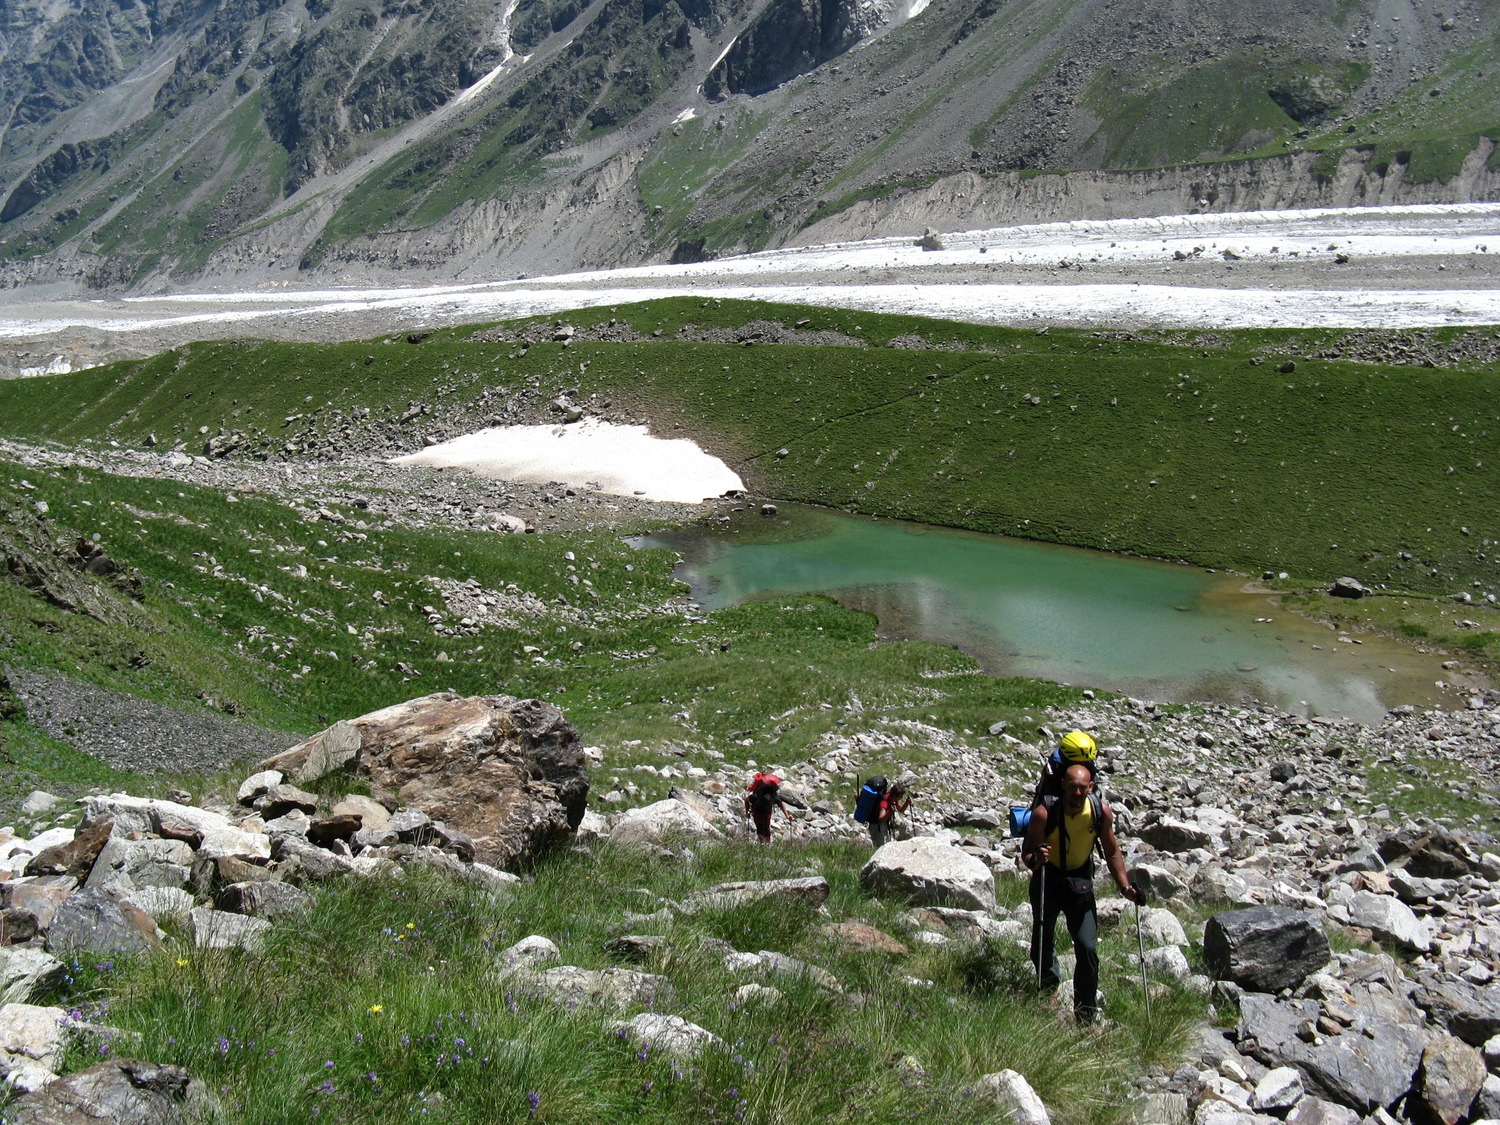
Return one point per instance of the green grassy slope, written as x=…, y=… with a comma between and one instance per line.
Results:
x=1199, y=449
x=360, y=1026
x=292, y=623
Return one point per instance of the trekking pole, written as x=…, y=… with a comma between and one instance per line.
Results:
x=1140, y=939
x=1036, y=926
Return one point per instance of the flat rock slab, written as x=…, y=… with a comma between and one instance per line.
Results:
x=808, y=893
x=671, y=1035
x=652, y=824
x=1265, y=948
x=146, y=815
x=120, y=1091
x=1369, y=1065
x=927, y=872
x=31, y=1042
x=616, y=988
x=861, y=937
x=1472, y=1014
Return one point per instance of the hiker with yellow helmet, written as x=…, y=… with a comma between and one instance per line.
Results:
x=1064, y=830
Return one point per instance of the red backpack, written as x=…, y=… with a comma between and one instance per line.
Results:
x=763, y=790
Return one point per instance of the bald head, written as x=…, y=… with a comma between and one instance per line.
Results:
x=1077, y=784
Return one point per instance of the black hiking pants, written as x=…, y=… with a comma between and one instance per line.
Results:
x=1054, y=893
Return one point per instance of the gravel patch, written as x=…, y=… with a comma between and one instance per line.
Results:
x=136, y=735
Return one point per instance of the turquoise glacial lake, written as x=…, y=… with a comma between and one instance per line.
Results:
x=1149, y=629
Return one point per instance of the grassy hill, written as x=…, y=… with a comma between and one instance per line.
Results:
x=1197, y=447
x=1231, y=449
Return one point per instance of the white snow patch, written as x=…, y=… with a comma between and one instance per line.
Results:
x=724, y=54
x=685, y=116
x=621, y=460
x=917, y=8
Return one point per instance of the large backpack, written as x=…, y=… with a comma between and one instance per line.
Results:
x=764, y=790
x=869, y=798
x=1048, y=788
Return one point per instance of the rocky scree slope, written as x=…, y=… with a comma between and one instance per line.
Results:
x=1233, y=808
x=148, y=143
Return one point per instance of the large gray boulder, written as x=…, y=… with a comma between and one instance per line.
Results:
x=94, y=922
x=1390, y=919
x=1369, y=1065
x=1472, y=1014
x=509, y=773
x=1265, y=948
x=120, y=1091
x=124, y=865
x=927, y=872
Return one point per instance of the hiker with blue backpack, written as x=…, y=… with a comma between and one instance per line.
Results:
x=878, y=806
x=1062, y=833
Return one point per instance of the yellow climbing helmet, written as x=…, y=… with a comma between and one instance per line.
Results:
x=1077, y=746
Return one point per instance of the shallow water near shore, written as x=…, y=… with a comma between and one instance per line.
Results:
x=1152, y=630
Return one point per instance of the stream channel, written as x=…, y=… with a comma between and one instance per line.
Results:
x=1151, y=630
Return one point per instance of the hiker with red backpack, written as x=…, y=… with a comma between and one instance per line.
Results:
x=1062, y=835
x=762, y=796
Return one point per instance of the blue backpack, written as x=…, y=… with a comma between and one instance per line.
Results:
x=1048, y=787
x=869, y=798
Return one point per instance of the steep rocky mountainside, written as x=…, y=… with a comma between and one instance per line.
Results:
x=145, y=143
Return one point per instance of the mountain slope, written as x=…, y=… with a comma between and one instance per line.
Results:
x=148, y=144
